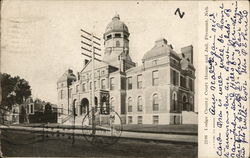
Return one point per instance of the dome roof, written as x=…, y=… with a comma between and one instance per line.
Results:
x=67, y=76
x=116, y=25
x=161, y=48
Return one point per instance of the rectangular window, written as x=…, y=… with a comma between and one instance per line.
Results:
x=139, y=81
x=155, y=119
x=103, y=84
x=155, y=78
x=130, y=119
x=84, y=87
x=130, y=83
x=174, y=77
x=90, y=85
x=112, y=83
x=139, y=120
x=139, y=104
x=183, y=81
x=191, y=84
x=77, y=88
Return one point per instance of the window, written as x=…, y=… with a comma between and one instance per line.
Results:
x=62, y=94
x=130, y=104
x=155, y=119
x=174, y=101
x=112, y=84
x=155, y=78
x=130, y=83
x=117, y=43
x=112, y=104
x=103, y=84
x=139, y=104
x=31, y=108
x=77, y=88
x=191, y=84
x=70, y=92
x=84, y=87
x=155, y=103
x=183, y=81
x=117, y=35
x=174, y=77
x=184, y=102
x=125, y=36
x=139, y=81
x=130, y=119
x=154, y=62
x=109, y=37
x=139, y=120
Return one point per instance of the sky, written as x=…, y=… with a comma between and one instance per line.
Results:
x=40, y=40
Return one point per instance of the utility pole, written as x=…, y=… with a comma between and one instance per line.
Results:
x=91, y=47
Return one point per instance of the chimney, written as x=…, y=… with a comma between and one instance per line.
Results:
x=188, y=52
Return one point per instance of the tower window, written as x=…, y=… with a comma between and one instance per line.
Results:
x=109, y=37
x=117, y=35
x=117, y=43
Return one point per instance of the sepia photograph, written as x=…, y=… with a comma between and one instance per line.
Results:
x=99, y=79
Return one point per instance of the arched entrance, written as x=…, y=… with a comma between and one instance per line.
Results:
x=84, y=108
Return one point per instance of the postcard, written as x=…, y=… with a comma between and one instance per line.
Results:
x=124, y=79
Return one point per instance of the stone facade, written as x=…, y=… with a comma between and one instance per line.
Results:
x=157, y=92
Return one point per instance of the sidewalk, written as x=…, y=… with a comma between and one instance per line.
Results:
x=163, y=137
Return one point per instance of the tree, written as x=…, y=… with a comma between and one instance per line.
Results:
x=14, y=90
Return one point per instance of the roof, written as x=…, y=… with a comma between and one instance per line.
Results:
x=161, y=48
x=68, y=75
x=116, y=25
x=98, y=64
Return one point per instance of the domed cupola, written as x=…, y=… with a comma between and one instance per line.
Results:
x=116, y=26
x=116, y=41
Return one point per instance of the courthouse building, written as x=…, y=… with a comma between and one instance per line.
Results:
x=160, y=91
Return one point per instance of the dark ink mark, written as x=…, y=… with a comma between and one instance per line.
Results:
x=179, y=12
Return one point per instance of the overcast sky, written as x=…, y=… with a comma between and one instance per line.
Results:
x=41, y=39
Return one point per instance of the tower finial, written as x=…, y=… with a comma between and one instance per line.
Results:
x=116, y=17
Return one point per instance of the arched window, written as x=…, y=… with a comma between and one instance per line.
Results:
x=139, y=103
x=117, y=43
x=155, y=103
x=184, y=102
x=174, y=101
x=130, y=104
